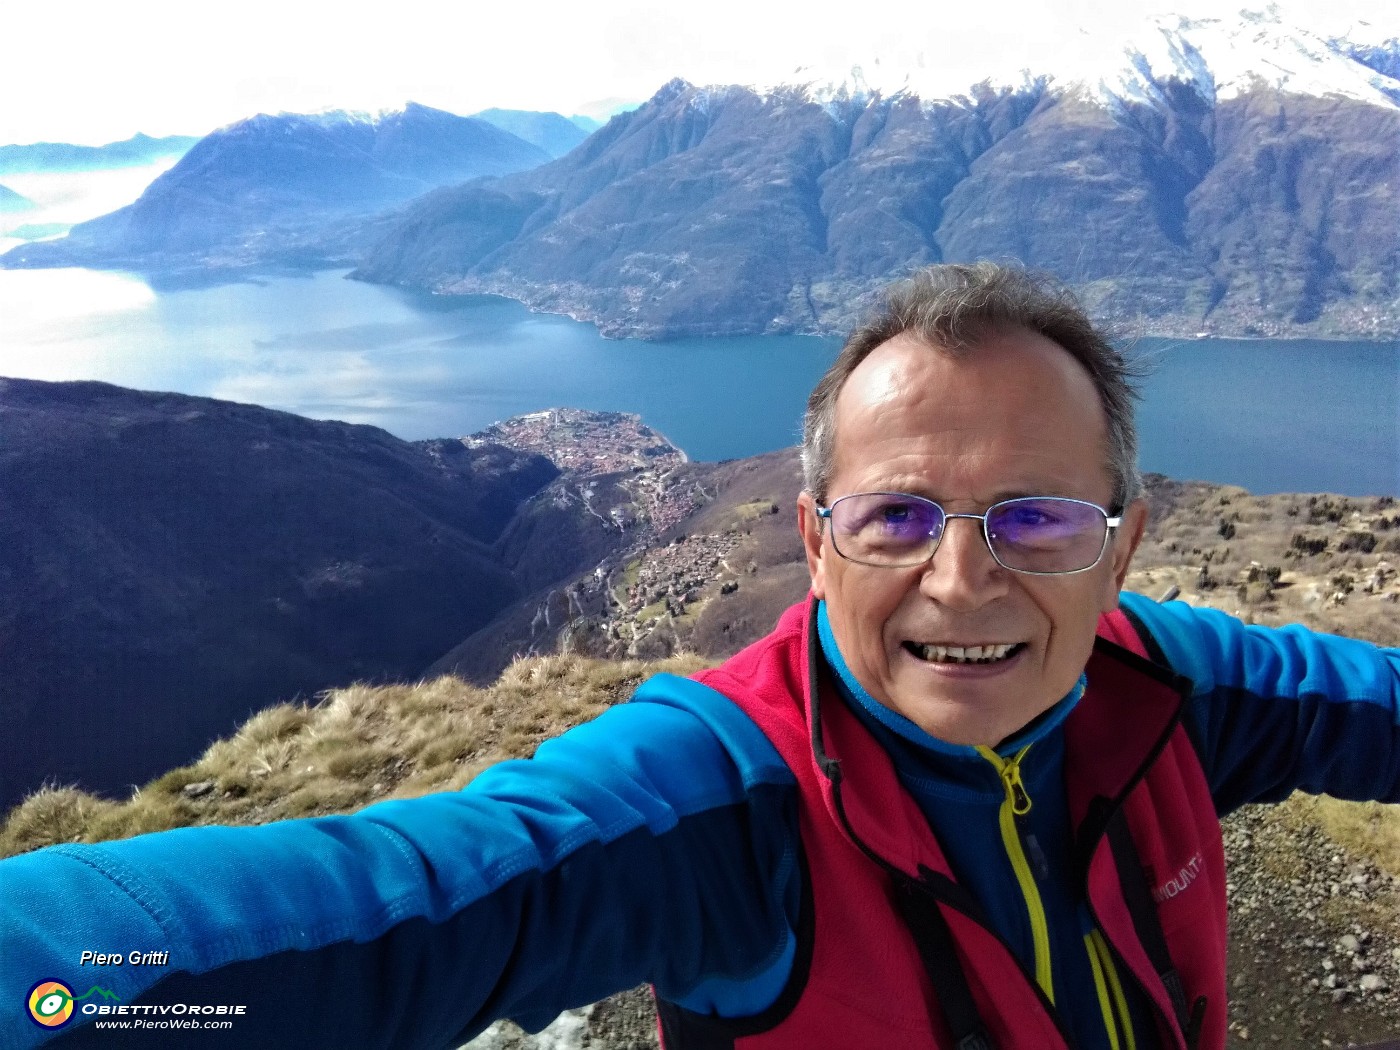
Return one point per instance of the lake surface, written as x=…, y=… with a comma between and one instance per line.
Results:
x=1270, y=416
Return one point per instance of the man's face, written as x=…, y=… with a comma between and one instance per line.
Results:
x=1015, y=416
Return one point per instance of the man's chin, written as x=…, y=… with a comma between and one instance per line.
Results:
x=967, y=704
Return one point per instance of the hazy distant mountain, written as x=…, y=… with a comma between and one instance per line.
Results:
x=59, y=156
x=601, y=110
x=1233, y=175
x=551, y=132
x=278, y=188
x=12, y=201
x=171, y=563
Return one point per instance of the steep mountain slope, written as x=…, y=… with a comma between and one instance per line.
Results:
x=275, y=188
x=172, y=563
x=1235, y=176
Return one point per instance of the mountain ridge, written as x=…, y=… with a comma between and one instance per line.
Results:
x=63, y=156
x=281, y=188
x=1229, y=177
x=720, y=211
x=197, y=559
x=554, y=133
x=1217, y=57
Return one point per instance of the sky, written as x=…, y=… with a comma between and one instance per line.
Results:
x=95, y=71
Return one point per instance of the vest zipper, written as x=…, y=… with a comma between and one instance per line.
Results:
x=1014, y=807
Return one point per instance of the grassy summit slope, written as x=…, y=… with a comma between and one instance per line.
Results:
x=354, y=746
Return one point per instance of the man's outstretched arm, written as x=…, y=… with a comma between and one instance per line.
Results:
x=654, y=844
x=1281, y=709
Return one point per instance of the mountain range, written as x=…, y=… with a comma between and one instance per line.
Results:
x=62, y=156
x=1227, y=176
x=172, y=563
x=1231, y=176
x=281, y=188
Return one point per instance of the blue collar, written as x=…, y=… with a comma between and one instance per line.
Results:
x=856, y=695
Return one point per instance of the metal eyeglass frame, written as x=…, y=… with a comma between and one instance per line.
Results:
x=1111, y=522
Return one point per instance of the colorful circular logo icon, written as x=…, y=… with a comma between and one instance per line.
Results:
x=51, y=1004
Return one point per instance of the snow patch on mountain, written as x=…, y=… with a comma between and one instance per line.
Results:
x=1219, y=58
x=1237, y=55
x=339, y=118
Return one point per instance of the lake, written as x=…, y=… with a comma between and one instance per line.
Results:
x=1272, y=416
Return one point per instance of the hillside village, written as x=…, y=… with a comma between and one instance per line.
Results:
x=582, y=442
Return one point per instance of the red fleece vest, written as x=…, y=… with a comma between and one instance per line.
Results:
x=860, y=980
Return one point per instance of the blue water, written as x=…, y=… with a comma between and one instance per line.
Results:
x=1270, y=416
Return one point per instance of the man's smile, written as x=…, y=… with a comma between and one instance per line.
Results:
x=963, y=654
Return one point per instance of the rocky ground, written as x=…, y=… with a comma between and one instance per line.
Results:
x=1314, y=938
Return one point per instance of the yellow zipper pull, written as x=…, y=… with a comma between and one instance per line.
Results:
x=1015, y=790
x=1009, y=769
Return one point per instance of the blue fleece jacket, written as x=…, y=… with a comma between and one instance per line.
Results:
x=657, y=843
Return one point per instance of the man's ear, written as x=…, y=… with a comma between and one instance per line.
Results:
x=810, y=527
x=1123, y=546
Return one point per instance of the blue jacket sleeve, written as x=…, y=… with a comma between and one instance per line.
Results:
x=1279, y=709
x=657, y=843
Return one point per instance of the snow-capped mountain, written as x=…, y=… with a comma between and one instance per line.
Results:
x=1234, y=175
x=1230, y=175
x=1218, y=58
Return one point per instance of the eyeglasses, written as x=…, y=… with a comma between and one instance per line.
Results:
x=1039, y=535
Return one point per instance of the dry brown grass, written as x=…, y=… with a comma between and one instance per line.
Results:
x=1367, y=829
x=355, y=746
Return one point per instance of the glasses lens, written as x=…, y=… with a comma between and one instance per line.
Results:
x=885, y=528
x=1046, y=534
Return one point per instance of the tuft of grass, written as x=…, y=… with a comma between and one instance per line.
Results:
x=50, y=816
x=355, y=746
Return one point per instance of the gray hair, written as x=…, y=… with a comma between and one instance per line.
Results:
x=952, y=306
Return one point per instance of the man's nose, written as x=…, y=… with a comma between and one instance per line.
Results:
x=962, y=574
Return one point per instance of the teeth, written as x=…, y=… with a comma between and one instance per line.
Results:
x=962, y=654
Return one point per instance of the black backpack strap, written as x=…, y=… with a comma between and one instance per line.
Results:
x=925, y=921
x=1138, y=896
